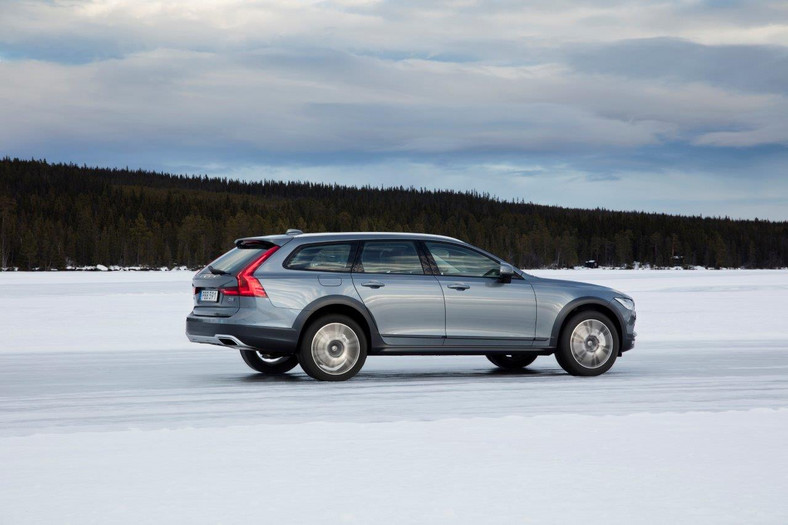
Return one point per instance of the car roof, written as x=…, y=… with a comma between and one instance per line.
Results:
x=344, y=236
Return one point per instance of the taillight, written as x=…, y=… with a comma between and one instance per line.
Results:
x=248, y=285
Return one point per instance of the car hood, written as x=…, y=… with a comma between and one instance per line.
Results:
x=594, y=289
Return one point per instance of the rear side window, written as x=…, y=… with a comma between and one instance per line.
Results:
x=237, y=259
x=321, y=258
x=395, y=257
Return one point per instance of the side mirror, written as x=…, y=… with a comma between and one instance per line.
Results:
x=506, y=272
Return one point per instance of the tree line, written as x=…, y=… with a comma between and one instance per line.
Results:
x=60, y=215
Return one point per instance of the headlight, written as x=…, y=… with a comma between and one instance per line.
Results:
x=627, y=303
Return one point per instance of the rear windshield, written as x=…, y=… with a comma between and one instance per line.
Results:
x=236, y=259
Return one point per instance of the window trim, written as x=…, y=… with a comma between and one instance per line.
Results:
x=490, y=256
x=348, y=264
x=426, y=269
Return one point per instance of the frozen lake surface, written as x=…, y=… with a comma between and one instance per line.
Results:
x=204, y=387
x=108, y=414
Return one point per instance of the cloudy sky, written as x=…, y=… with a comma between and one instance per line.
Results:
x=660, y=106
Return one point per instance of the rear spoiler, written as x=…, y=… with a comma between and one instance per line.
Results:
x=263, y=242
x=254, y=243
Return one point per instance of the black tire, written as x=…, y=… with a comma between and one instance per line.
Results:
x=590, y=364
x=322, y=364
x=511, y=362
x=272, y=366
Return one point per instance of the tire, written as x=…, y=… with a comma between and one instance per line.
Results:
x=333, y=348
x=589, y=344
x=271, y=365
x=511, y=362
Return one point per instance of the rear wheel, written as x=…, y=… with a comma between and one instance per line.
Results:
x=269, y=364
x=333, y=348
x=589, y=344
x=511, y=362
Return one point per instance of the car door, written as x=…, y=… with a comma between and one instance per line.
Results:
x=404, y=300
x=480, y=309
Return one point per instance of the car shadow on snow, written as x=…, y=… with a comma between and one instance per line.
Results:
x=284, y=378
x=407, y=375
x=442, y=375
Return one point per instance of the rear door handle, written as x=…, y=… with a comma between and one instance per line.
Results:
x=458, y=286
x=373, y=284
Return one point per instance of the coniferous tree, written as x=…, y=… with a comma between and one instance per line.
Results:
x=53, y=215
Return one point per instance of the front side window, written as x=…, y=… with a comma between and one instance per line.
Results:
x=322, y=258
x=394, y=257
x=460, y=261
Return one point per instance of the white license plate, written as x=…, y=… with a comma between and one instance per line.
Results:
x=210, y=296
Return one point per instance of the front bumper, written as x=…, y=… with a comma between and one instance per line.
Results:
x=220, y=331
x=627, y=320
x=629, y=341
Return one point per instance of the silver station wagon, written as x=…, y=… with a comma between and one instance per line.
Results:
x=326, y=301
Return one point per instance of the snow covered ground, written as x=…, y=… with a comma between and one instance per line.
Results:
x=108, y=415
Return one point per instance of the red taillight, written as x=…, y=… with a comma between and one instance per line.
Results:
x=248, y=285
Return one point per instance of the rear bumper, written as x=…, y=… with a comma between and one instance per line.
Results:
x=222, y=332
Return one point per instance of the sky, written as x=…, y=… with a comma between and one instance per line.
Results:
x=676, y=107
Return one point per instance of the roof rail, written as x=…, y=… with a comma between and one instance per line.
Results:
x=293, y=231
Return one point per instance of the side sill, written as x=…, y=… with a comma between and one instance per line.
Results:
x=460, y=350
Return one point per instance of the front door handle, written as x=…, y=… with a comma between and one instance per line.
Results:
x=458, y=286
x=373, y=284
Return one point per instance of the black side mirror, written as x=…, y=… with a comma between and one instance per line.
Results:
x=506, y=273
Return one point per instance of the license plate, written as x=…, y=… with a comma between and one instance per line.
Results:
x=210, y=296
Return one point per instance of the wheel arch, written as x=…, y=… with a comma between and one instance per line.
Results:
x=339, y=305
x=582, y=305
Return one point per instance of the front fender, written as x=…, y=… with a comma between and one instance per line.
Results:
x=580, y=302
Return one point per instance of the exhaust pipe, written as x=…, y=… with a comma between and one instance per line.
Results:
x=231, y=340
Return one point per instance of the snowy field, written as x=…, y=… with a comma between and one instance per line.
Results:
x=109, y=415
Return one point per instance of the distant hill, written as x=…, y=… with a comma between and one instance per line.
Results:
x=54, y=215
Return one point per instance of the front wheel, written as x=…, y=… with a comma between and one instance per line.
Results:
x=589, y=344
x=333, y=348
x=511, y=362
x=269, y=364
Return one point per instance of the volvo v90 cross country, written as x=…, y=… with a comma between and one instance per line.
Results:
x=326, y=301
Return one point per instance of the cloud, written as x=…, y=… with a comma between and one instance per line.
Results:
x=608, y=92
x=747, y=68
x=283, y=101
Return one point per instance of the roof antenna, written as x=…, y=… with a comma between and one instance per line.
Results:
x=293, y=231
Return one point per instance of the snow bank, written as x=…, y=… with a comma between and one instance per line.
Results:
x=726, y=467
x=94, y=311
x=702, y=305
x=222, y=445
x=123, y=311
